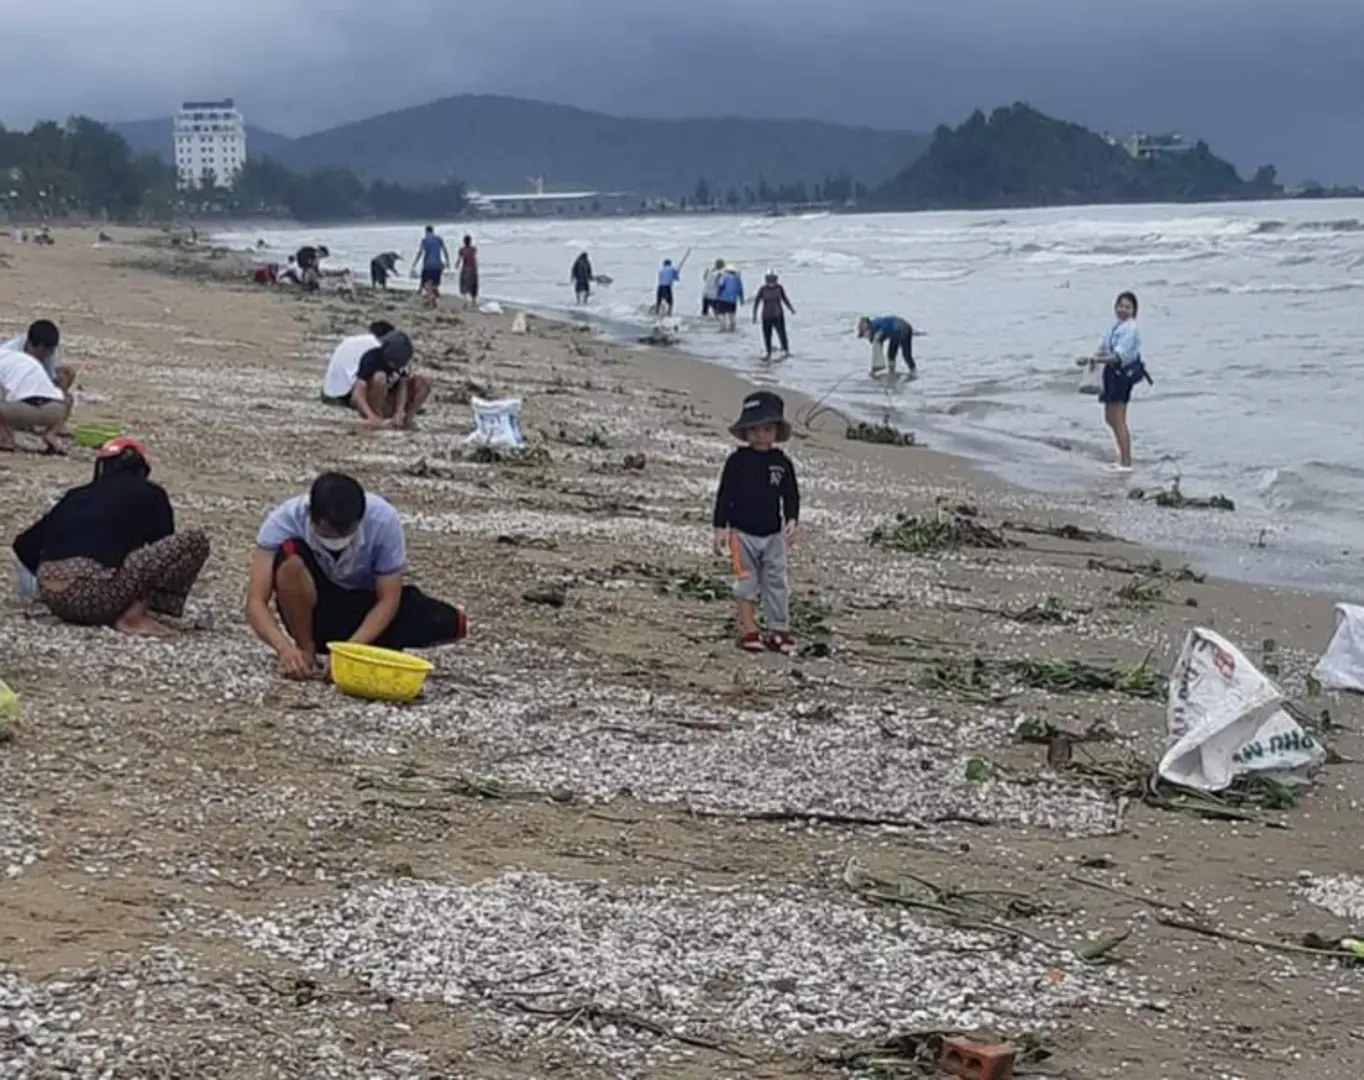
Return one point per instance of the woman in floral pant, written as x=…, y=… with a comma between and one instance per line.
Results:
x=108, y=554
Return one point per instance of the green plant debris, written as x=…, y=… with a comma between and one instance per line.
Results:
x=1153, y=569
x=1061, y=532
x=1131, y=778
x=980, y=677
x=977, y=770
x=1141, y=592
x=1174, y=499
x=1049, y=611
x=592, y=439
x=945, y=530
x=526, y=457
x=809, y=617
x=883, y=434
x=1269, y=658
x=694, y=584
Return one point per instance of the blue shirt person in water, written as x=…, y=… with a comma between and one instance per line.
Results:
x=668, y=276
x=434, y=257
x=1120, y=354
x=892, y=334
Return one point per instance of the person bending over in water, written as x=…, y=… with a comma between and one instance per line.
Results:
x=581, y=273
x=467, y=261
x=891, y=334
x=380, y=267
x=108, y=554
x=371, y=374
x=1120, y=354
x=333, y=561
x=771, y=297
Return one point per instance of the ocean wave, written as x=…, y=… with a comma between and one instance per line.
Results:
x=1276, y=288
x=1314, y=486
x=1337, y=225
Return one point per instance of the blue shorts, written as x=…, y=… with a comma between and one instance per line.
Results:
x=431, y=275
x=1118, y=383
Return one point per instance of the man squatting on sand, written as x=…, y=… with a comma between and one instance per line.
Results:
x=756, y=510
x=371, y=373
x=333, y=561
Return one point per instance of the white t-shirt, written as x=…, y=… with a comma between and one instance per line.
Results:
x=17, y=345
x=22, y=377
x=345, y=363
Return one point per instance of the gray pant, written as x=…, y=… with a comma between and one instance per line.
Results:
x=760, y=573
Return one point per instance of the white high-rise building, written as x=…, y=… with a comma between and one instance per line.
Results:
x=210, y=136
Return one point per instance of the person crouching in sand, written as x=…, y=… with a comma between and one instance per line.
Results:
x=108, y=554
x=756, y=510
x=40, y=341
x=333, y=560
x=30, y=401
x=371, y=373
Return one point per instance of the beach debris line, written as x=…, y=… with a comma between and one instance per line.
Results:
x=988, y=677
x=947, y=528
x=1065, y=531
x=1048, y=611
x=1154, y=568
x=982, y=910
x=1173, y=498
x=918, y=1054
x=1141, y=592
x=883, y=434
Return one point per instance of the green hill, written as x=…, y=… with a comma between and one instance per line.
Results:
x=496, y=144
x=1018, y=156
x=156, y=137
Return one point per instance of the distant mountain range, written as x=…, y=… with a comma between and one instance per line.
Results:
x=497, y=144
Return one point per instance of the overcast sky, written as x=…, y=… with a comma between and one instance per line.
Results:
x=1263, y=80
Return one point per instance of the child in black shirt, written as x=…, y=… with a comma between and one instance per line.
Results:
x=756, y=510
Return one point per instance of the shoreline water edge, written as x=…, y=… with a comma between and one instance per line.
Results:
x=1292, y=525
x=604, y=842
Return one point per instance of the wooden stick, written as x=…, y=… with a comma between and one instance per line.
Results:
x=1246, y=939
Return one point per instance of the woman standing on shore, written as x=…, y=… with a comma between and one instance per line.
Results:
x=1120, y=354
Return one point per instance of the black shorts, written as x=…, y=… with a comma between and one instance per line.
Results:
x=706, y=304
x=378, y=274
x=421, y=620
x=724, y=307
x=468, y=285
x=1118, y=383
x=664, y=295
x=431, y=275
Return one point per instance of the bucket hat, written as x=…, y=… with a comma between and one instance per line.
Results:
x=762, y=407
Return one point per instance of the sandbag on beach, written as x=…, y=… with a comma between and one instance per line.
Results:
x=1226, y=719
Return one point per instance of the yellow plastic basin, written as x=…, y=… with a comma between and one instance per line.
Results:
x=366, y=671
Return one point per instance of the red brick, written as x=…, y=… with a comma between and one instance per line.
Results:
x=971, y=1060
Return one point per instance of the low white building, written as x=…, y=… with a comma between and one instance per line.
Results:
x=210, y=138
x=1144, y=147
x=556, y=204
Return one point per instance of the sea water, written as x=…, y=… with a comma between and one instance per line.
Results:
x=1252, y=322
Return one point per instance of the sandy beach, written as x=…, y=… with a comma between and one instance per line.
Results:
x=605, y=843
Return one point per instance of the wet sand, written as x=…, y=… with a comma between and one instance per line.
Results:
x=601, y=816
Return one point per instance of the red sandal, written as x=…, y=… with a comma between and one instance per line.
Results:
x=750, y=642
x=782, y=643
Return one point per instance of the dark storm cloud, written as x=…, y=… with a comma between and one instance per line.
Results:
x=1267, y=81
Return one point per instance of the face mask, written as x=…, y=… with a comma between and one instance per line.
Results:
x=334, y=544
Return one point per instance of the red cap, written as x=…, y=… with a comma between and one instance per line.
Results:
x=115, y=447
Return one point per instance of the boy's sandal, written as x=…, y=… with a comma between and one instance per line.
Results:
x=782, y=643
x=750, y=643
x=461, y=624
